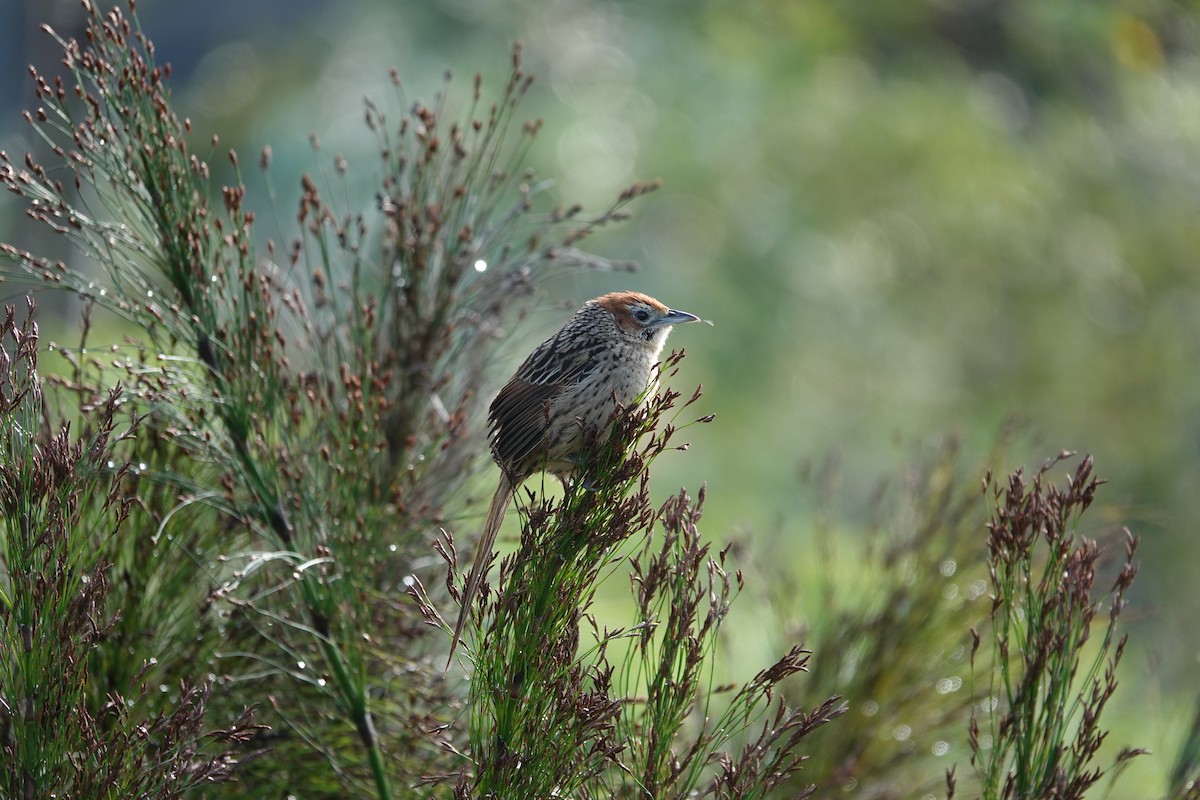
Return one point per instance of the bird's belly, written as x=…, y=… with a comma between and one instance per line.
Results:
x=590, y=406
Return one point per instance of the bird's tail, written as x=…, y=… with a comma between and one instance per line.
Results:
x=483, y=557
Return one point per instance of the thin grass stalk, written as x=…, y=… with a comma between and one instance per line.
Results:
x=1185, y=772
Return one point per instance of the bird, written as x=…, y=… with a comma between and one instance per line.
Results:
x=604, y=355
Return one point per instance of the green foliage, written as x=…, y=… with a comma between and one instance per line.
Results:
x=307, y=427
x=1185, y=775
x=898, y=646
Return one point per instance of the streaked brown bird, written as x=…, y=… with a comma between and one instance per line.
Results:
x=605, y=354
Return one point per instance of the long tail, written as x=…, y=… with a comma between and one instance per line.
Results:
x=483, y=556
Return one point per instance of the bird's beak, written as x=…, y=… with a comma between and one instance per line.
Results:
x=673, y=317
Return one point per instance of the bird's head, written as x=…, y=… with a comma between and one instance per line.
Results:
x=641, y=318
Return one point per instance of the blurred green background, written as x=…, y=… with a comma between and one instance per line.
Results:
x=904, y=219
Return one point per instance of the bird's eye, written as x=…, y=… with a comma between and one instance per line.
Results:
x=641, y=315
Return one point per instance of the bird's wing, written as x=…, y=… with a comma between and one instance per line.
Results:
x=518, y=414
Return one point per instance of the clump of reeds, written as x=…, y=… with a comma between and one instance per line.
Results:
x=1037, y=729
x=561, y=704
x=62, y=500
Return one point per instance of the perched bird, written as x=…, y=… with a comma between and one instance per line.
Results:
x=606, y=352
